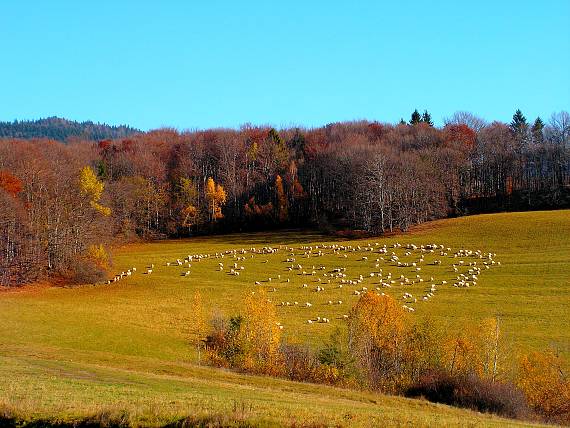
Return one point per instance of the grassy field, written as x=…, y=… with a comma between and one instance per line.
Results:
x=71, y=352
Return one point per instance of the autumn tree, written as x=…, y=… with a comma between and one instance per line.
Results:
x=282, y=209
x=10, y=184
x=377, y=326
x=92, y=188
x=491, y=348
x=544, y=380
x=188, y=197
x=466, y=118
x=216, y=198
x=261, y=334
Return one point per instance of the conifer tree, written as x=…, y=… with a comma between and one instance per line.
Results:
x=426, y=118
x=416, y=117
x=536, y=130
x=519, y=123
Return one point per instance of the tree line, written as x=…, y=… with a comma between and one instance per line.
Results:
x=63, y=130
x=61, y=204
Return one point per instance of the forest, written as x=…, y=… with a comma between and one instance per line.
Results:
x=63, y=130
x=63, y=205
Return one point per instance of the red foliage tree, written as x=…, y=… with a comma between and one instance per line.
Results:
x=10, y=184
x=460, y=133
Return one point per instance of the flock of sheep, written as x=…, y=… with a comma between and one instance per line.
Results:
x=382, y=269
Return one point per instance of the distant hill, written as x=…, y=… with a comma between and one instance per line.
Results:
x=63, y=130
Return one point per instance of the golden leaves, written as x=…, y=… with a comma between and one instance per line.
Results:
x=216, y=197
x=92, y=188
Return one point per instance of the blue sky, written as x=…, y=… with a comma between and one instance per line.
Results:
x=201, y=64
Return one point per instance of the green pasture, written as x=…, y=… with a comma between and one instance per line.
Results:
x=125, y=345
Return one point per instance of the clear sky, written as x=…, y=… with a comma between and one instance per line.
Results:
x=200, y=64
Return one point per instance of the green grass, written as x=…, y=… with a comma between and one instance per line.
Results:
x=72, y=352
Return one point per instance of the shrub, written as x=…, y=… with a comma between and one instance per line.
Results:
x=83, y=271
x=544, y=380
x=300, y=362
x=471, y=392
x=224, y=345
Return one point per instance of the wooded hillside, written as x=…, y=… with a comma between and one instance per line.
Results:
x=61, y=204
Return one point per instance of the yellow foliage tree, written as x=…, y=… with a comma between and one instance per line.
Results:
x=98, y=254
x=282, y=210
x=477, y=349
x=216, y=198
x=92, y=188
x=188, y=194
x=261, y=334
x=461, y=355
x=377, y=327
x=490, y=347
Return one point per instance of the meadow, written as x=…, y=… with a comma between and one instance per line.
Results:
x=70, y=352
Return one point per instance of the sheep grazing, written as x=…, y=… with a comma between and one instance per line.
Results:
x=148, y=271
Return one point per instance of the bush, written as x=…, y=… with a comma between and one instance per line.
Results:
x=544, y=380
x=224, y=346
x=300, y=362
x=471, y=392
x=82, y=271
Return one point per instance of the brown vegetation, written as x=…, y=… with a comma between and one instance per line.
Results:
x=57, y=200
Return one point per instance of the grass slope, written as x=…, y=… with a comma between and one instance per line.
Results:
x=72, y=352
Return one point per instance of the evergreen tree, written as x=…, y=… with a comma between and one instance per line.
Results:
x=416, y=117
x=426, y=118
x=402, y=121
x=536, y=129
x=519, y=123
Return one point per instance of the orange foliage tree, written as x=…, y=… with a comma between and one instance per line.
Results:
x=10, y=184
x=545, y=382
